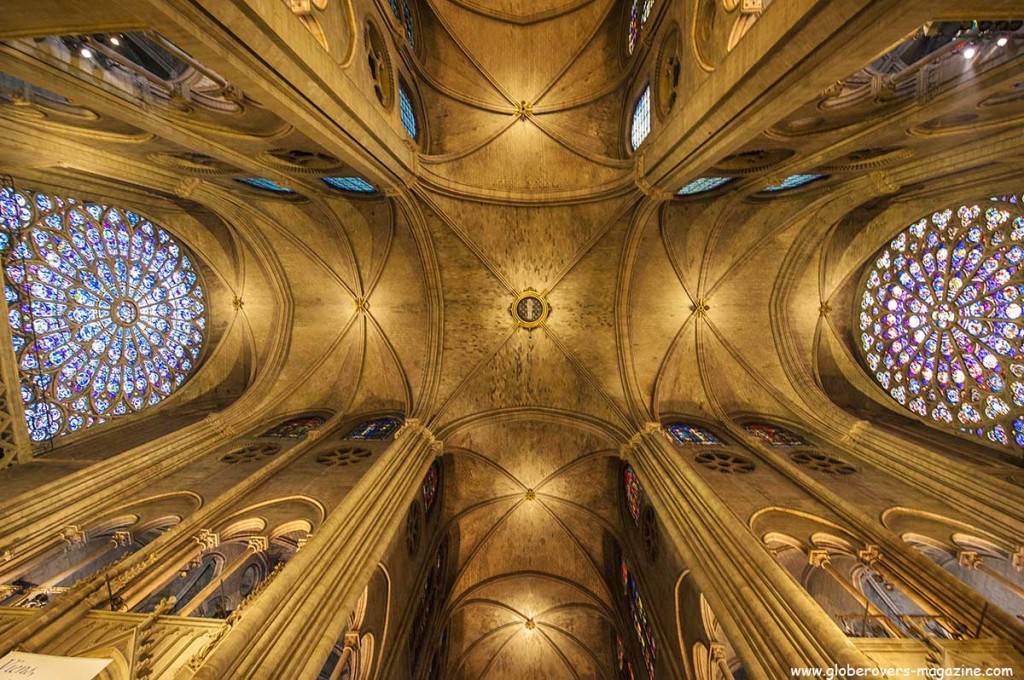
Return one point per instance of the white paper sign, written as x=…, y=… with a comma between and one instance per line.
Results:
x=24, y=666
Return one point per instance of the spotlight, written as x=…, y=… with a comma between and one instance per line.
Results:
x=1002, y=41
x=970, y=52
x=115, y=41
x=86, y=53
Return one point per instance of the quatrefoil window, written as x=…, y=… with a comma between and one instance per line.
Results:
x=379, y=60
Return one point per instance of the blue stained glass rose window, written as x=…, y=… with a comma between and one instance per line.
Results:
x=939, y=319
x=106, y=310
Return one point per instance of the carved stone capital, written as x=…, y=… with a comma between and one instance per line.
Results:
x=818, y=558
x=352, y=640
x=121, y=539
x=257, y=543
x=414, y=425
x=716, y=650
x=6, y=555
x=968, y=559
x=870, y=555
x=73, y=537
x=207, y=539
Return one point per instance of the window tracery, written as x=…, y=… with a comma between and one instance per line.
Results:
x=376, y=429
x=639, y=12
x=641, y=126
x=773, y=435
x=408, y=114
x=343, y=456
x=940, y=320
x=430, y=487
x=821, y=462
x=631, y=485
x=410, y=29
x=265, y=184
x=725, y=463
x=295, y=428
x=107, y=313
x=703, y=185
x=792, y=182
x=356, y=184
x=250, y=453
x=638, y=614
x=685, y=433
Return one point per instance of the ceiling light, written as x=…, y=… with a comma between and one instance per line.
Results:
x=115, y=41
x=1002, y=41
x=86, y=53
x=970, y=52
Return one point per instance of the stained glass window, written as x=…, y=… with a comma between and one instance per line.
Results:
x=940, y=319
x=773, y=435
x=378, y=428
x=430, y=487
x=295, y=428
x=641, y=624
x=792, y=182
x=107, y=313
x=266, y=184
x=410, y=32
x=641, y=119
x=394, y=8
x=407, y=112
x=638, y=15
x=357, y=184
x=703, y=184
x=632, y=487
x=685, y=433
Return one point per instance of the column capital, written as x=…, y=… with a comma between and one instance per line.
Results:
x=207, y=539
x=968, y=559
x=257, y=544
x=818, y=558
x=121, y=539
x=870, y=555
x=414, y=425
x=1016, y=559
x=647, y=430
x=73, y=537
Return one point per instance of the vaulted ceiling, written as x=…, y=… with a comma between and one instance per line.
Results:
x=714, y=306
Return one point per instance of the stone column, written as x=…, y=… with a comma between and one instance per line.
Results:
x=290, y=629
x=772, y=622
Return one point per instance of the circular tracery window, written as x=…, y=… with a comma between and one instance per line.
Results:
x=820, y=462
x=343, y=456
x=940, y=319
x=249, y=453
x=726, y=463
x=107, y=313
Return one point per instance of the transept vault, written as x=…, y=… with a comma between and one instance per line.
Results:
x=512, y=339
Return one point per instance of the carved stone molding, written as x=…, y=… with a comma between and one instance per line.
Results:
x=257, y=543
x=121, y=539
